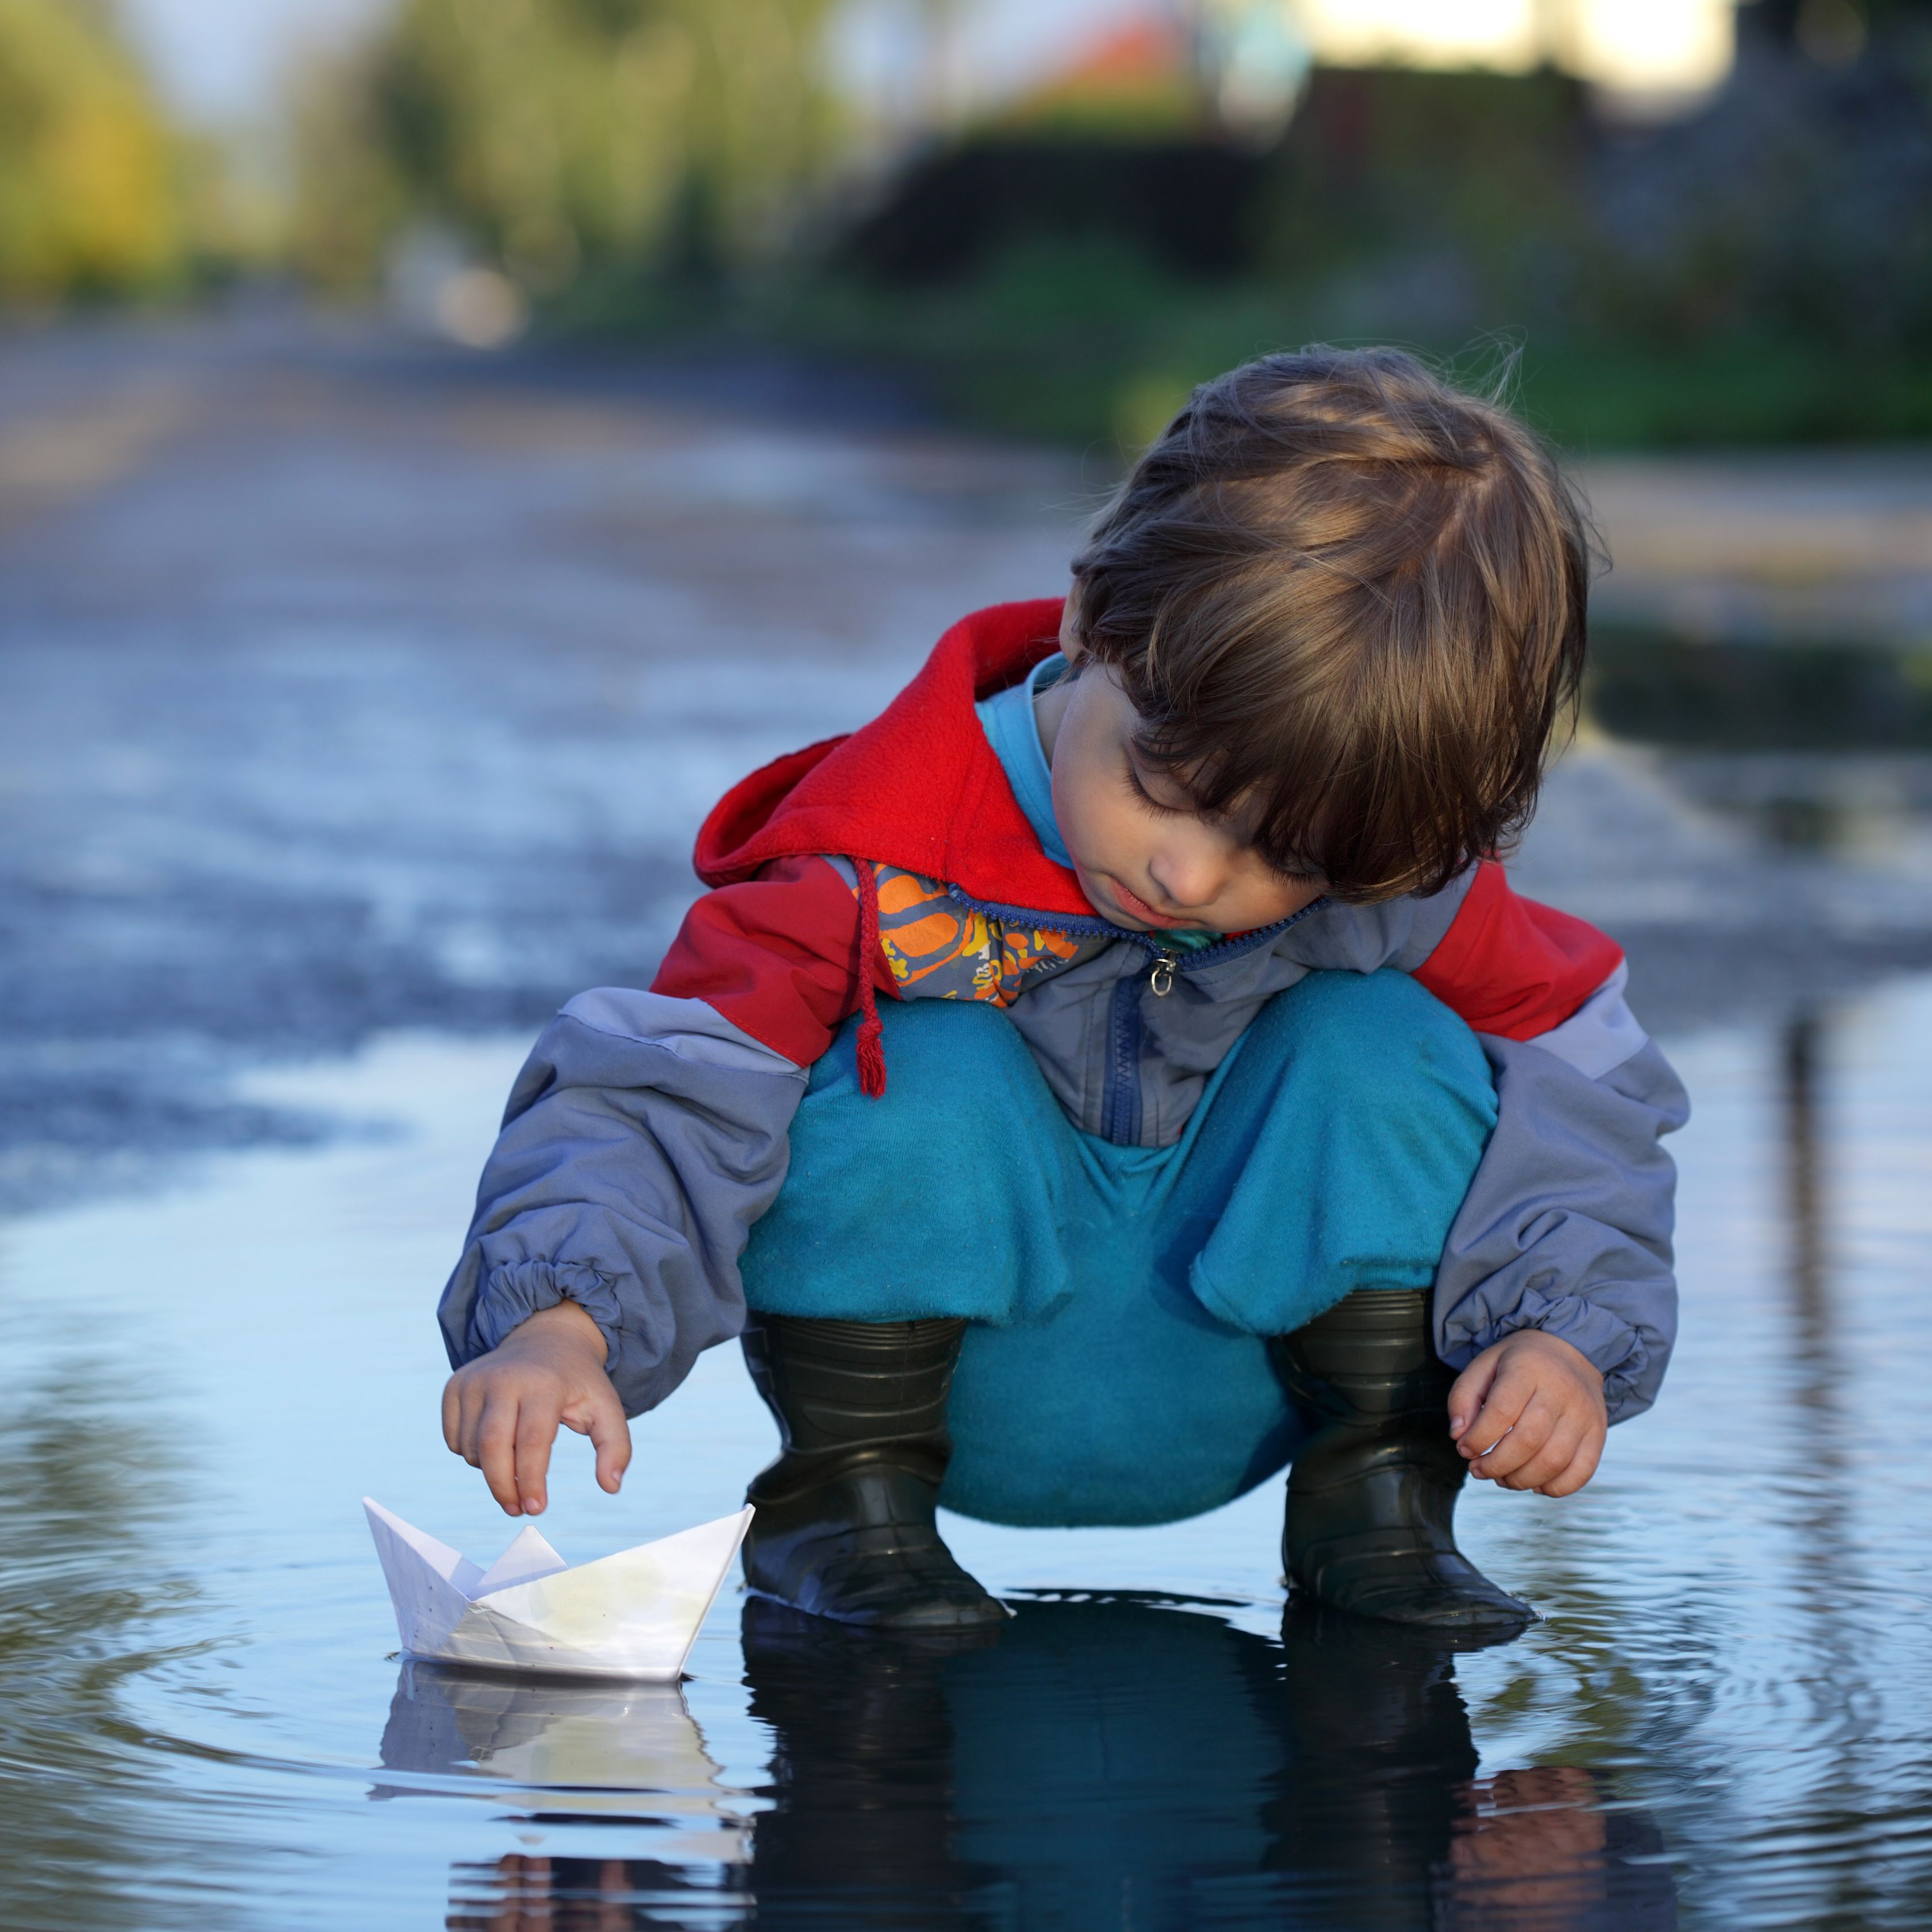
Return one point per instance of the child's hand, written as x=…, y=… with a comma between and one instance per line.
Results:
x=500, y=1412
x=1529, y=1413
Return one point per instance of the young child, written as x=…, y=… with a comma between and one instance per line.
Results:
x=1227, y=1102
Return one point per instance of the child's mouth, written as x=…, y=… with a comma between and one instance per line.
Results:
x=1135, y=907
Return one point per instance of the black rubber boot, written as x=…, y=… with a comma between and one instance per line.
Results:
x=844, y=1525
x=1371, y=1495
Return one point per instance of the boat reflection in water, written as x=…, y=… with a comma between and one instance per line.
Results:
x=574, y=1747
x=1100, y=1762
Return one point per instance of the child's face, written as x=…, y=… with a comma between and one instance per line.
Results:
x=1146, y=856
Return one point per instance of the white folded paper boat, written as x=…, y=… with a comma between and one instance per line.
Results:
x=635, y=1615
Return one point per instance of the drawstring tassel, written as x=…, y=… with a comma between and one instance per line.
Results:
x=871, y=1033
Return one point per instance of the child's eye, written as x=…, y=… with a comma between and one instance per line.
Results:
x=1296, y=875
x=1147, y=798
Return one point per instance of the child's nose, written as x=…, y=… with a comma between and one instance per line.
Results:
x=1189, y=881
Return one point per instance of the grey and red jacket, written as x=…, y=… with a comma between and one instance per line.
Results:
x=648, y=1130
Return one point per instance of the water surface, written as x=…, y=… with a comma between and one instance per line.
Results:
x=1720, y=1722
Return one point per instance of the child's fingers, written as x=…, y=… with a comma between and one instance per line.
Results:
x=610, y=1437
x=473, y=1402
x=1526, y=1446
x=452, y=1416
x=1549, y=1459
x=598, y=1414
x=1466, y=1395
x=1582, y=1466
x=469, y=1402
x=536, y=1430
x=1499, y=1455
x=495, y=1450
x=1502, y=1409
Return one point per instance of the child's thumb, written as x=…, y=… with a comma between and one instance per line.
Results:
x=610, y=1437
x=1465, y=1395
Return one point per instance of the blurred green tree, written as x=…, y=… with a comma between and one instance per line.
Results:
x=90, y=193
x=567, y=137
x=1429, y=205
x=1759, y=270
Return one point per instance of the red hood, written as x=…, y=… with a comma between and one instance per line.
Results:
x=918, y=788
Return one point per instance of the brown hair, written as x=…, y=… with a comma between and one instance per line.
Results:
x=1341, y=589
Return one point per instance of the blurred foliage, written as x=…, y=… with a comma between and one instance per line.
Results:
x=92, y=193
x=1760, y=270
x=1187, y=203
x=565, y=138
x=1429, y=195
x=1659, y=688
x=1094, y=344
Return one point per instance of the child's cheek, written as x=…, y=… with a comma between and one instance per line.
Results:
x=1073, y=811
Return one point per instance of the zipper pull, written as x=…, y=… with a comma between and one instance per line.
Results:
x=1160, y=980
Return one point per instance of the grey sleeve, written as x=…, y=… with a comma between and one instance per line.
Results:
x=1567, y=1225
x=643, y=1138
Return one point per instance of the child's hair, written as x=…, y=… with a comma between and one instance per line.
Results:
x=1339, y=588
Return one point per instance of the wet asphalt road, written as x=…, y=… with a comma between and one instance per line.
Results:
x=349, y=683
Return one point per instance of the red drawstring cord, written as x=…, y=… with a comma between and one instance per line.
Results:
x=871, y=1033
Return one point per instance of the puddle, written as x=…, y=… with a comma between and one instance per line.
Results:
x=1721, y=1724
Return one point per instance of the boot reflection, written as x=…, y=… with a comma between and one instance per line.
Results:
x=1118, y=1762
x=1125, y=1763
x=1112, y=1763
x=1381, y=1752
x=863, y=1761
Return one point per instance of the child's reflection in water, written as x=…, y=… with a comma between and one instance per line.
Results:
x=1123, y=1764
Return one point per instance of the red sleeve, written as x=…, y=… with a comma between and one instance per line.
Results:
x=1509, y=966
x=778, y=956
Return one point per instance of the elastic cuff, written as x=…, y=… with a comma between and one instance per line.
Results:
x=1615, y=1349
x=515, y=1292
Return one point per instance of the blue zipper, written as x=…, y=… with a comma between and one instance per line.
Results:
x=1120, y=1102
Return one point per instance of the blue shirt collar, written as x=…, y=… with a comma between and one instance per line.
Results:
x=1007, y=719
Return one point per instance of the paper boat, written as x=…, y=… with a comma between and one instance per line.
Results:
x=634, y=1615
